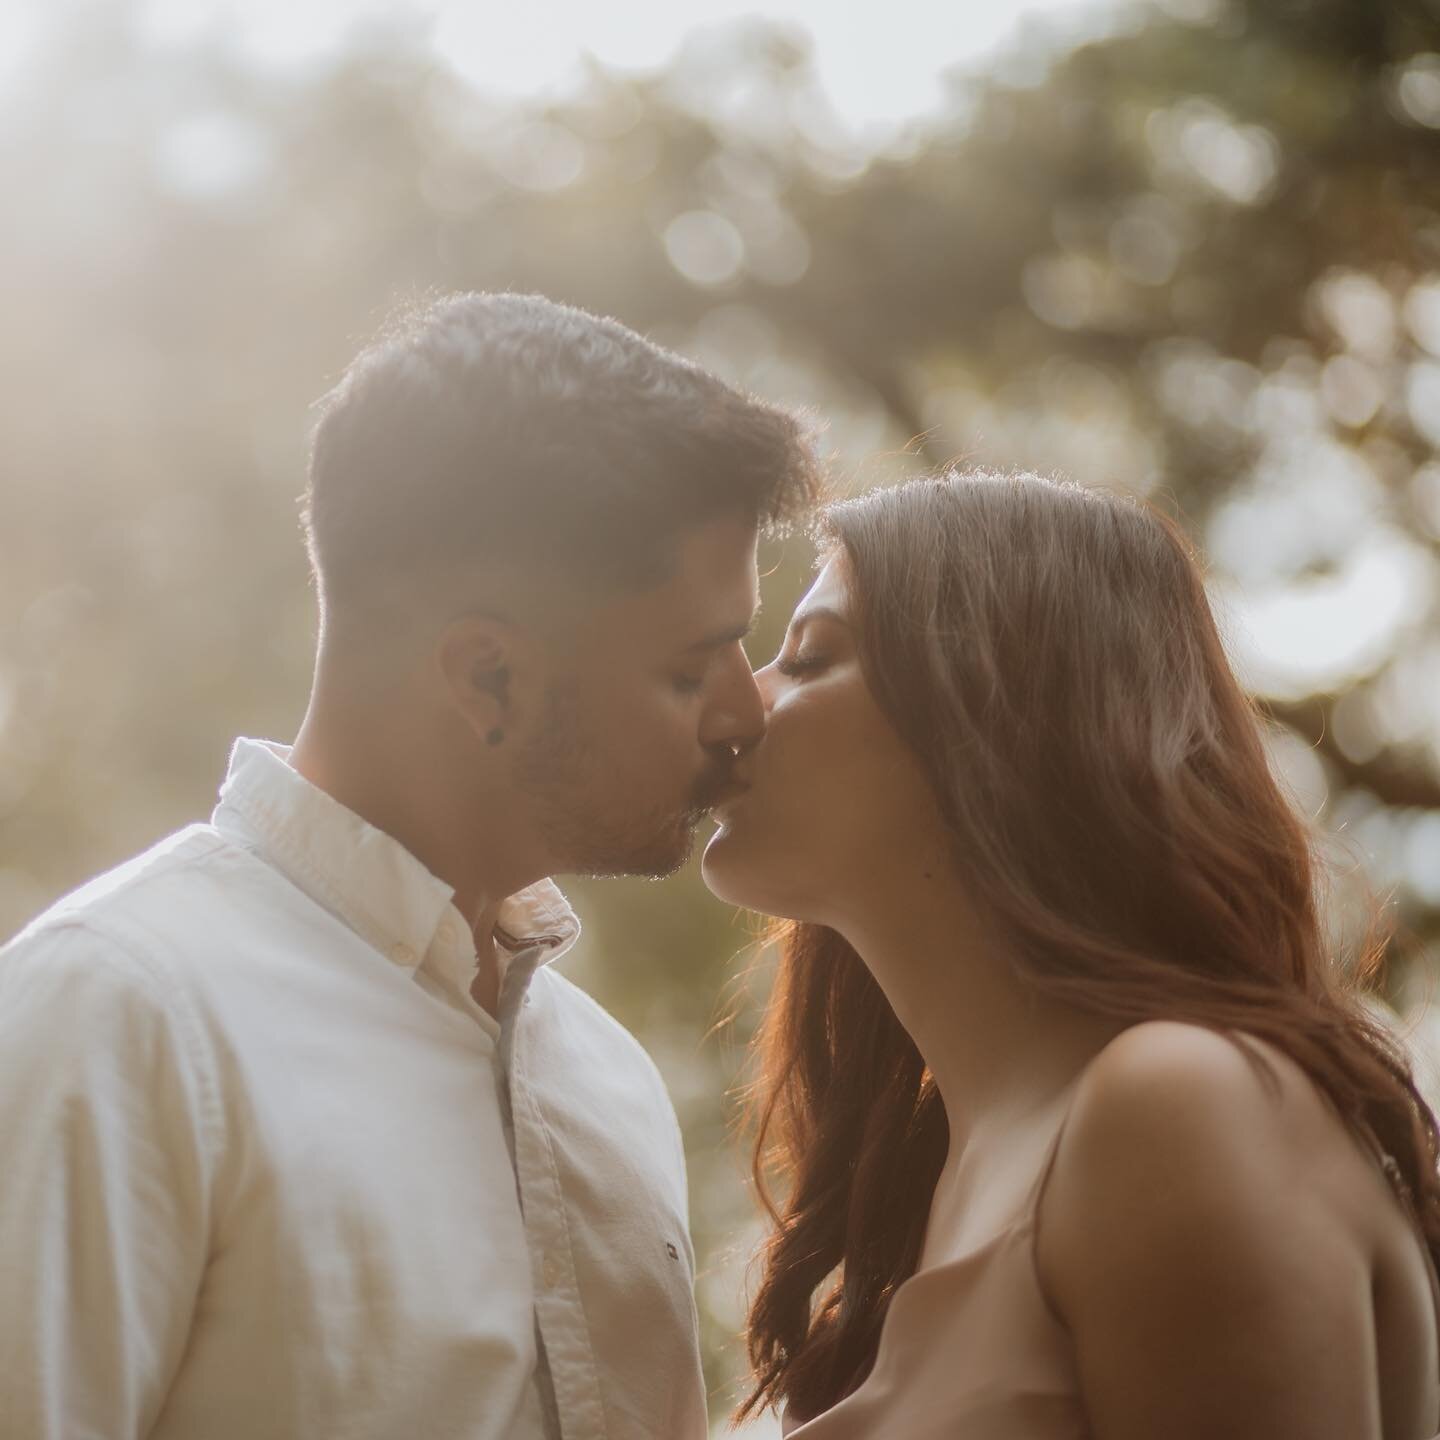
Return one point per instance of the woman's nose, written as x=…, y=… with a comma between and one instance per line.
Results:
x=765, y=684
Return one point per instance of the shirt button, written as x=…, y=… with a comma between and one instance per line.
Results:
x=402, y=954
x=550, y=1272
x=447, y=932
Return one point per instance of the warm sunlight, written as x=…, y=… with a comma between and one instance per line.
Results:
x=879, y=64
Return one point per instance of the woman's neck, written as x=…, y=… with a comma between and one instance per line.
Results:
x=999, y=1048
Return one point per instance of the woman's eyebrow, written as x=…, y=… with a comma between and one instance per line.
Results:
x=817, y=612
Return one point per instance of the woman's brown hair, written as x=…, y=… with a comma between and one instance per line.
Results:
x=1049, y=653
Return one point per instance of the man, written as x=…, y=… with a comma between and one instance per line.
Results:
x=300, y=1133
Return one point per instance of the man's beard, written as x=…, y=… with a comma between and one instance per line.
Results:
x=588, y=836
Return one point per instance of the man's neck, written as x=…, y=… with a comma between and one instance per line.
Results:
x=432, y=815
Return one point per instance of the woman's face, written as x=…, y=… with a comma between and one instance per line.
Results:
x=835, y=800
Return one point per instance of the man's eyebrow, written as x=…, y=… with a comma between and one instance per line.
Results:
x=722, y=638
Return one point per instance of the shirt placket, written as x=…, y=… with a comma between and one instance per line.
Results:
x=567, y=1377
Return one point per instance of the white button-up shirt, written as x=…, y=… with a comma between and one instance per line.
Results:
x=268, y=1172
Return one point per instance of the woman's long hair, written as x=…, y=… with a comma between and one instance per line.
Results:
x=1049, y=653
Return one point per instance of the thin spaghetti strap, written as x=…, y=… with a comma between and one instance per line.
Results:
x=1037, y=1195
x=1042, y=1180
x=1037, y=1190
x=1390, y=1168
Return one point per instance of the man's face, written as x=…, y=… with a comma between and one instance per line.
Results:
x=642, y=721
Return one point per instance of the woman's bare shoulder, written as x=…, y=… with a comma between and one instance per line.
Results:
x=1202, y=1093
x=1199, y=1207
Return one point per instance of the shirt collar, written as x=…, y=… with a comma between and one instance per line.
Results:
x=363, y=876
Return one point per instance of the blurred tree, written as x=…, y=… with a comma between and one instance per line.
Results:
x=1198, y=257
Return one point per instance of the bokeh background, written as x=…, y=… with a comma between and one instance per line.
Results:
x=1186, y=247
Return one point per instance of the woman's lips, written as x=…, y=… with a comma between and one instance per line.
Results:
x=727, y=797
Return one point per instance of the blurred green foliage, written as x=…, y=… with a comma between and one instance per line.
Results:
x=1198, y=257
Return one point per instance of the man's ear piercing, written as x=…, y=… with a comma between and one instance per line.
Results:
x=495, y=682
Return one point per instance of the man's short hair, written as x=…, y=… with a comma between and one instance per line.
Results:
x=508, y=428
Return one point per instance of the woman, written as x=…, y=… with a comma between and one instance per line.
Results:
x=1082, y=1131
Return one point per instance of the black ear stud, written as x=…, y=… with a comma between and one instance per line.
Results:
x=496, y=681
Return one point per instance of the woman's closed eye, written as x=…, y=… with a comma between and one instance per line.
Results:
x=807, y=662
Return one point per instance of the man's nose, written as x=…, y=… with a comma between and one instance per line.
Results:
x=735, y=718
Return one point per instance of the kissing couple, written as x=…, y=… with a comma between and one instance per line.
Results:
x=1070, y=1123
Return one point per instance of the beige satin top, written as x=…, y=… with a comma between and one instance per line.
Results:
x=970, y=1350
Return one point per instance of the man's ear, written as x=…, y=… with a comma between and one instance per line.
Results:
x=487, y=665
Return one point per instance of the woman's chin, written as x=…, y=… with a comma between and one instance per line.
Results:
x=723, y=867
x=734, y=874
